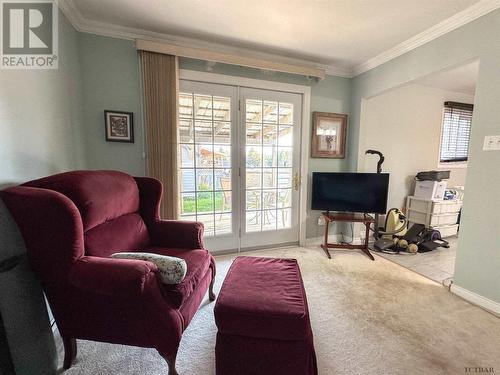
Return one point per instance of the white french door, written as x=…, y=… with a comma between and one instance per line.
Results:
x=239, y=155
x=270, y=165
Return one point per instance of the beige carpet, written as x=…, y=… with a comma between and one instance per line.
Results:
x=367, y=317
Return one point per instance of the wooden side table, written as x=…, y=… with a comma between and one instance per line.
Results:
x=367, y=220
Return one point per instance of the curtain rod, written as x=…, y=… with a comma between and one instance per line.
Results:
x=226, y=58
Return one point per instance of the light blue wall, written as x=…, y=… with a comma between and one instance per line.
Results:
x=110, y=75
x=478, y=258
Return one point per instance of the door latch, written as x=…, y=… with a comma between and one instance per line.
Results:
x=297, y=181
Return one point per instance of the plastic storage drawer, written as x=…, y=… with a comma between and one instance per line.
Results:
x=432, y=220
x=434, y=207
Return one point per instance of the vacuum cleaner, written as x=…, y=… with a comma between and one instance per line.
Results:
x=395, y=227
x=395, y=220
x=395, y=237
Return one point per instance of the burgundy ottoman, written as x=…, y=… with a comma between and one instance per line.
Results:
x=263, y=320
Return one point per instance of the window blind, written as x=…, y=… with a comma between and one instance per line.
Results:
x=457, y=121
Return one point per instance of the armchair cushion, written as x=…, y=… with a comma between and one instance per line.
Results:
x=177, y=234
x=111, y=277
x=126, y=233
x=171, y=269
x=197, y=261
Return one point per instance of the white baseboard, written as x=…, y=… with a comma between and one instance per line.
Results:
x=476, y=299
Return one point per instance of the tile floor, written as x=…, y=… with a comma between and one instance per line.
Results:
x=438, y=265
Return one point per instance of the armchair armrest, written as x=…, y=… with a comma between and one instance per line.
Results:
x=111, y=277
x=177, y=234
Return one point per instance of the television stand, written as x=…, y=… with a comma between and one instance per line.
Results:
x=367, y=220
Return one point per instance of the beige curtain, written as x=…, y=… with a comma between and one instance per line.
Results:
x=160, y=75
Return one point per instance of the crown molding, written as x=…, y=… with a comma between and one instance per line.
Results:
x=469, y=14
x=84, y=25
x=475, y=11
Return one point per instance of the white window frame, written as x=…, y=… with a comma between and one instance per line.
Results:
x=305, y=91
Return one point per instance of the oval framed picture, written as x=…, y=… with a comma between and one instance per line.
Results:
x=119, y=126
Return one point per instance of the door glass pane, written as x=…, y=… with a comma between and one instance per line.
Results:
x=203, y=132
x=285, y=157
x=222, y=201
x=222, y=132
x=284, y=198
x=269, y=177
x=254, y=178
x=269, y=156
x=188, y=203
x=253, y=223
x=187, y=180
x=254, y=111
x=254, y=134
x=285, y=136
x=269, y=134
x=254, y=156
x=205, y=161
x=204, y=181
x=285, y=177
x=222, y=108
x=284, y=218
x=286, y=114
x=270, y=112
x=186, y=130
x=202, y=107
x=253, y=199
x=205, y=202
x=186, y=156
x=268, y=161
x=222, y=179
x=269, y=220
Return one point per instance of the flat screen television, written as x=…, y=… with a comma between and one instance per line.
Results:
x=350, y=192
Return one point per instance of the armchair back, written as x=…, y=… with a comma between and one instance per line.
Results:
x=109, y=206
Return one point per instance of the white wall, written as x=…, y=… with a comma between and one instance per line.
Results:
x=405, y=125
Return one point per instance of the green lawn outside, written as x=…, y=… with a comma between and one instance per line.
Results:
x=204, y=203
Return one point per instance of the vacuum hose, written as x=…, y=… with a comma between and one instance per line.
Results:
x=379, y=170
x=381, y=160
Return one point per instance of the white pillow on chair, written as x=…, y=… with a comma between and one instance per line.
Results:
x=172, y=269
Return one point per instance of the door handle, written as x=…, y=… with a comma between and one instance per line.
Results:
x=297, y=181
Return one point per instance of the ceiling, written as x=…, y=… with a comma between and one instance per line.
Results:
x=461, y=79
x=342, y=33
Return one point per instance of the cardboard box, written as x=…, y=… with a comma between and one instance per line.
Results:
x=430, y=189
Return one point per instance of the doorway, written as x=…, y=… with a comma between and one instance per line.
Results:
x=421, y=126
x=239, y=164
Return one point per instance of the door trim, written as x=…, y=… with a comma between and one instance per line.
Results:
x=305, y=91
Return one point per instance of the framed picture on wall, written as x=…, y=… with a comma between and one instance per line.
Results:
x=119, y=126
x=329, y=135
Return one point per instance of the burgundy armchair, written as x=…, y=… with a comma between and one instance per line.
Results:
x=71, y=224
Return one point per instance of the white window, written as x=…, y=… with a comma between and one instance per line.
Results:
x=455, y=133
